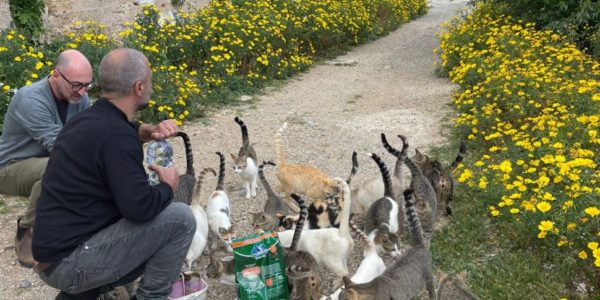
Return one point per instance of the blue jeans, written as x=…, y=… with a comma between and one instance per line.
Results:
x=118, y=253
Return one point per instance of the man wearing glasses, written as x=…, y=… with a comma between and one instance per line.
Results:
x=35, y=116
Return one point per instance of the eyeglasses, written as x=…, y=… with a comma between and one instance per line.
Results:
x=76, y=86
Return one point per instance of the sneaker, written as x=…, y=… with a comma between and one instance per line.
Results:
x=23, y=246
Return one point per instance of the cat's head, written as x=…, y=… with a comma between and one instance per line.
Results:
x=239, y=162
x=305, y=283
x=386, y=239
x=227, y=234
x=215, y=268
x=419, y=158
x=265, y=221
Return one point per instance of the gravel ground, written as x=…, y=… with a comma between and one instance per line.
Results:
x=331, y=111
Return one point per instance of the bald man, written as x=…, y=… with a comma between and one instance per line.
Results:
x=34, y=118
x=98, y=220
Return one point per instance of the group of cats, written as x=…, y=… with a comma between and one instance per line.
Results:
x=329, y=205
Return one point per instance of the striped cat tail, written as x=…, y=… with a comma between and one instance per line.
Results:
x=198, y=187
x=300, y=223
x=387, y=182
x=221, y=171
x=459, y=158
x=263, y=179
x=189, y=156
x=354, y=168
x=414, y=169
x=413, y=220
x=245, y=139
x=278, y=150
x=361, y=234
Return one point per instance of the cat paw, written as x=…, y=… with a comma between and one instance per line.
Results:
x=247, y=196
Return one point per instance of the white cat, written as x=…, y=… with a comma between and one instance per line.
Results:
x=217, y=210
x=245, y=162
x=201, y=234
x=329, y=246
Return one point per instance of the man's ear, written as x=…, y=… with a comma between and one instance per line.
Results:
x=138, y=88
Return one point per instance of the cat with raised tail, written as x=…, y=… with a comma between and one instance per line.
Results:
x=453, y=287
x=217, y=210
x=187, y=181
x=274, y=210
x=406, y=277
x=329, y=246
x=440, y=177
x=201, y=236
x=371, y=190
x=304, y=280
x=381, y=220
x=245, y=162
x=370, y=267
x=301, y=179
x=425, y=200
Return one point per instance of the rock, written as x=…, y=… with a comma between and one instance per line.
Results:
x=24, y=284
x=245, y=98
x=342, y=62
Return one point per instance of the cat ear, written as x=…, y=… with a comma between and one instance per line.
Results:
x=462, y=275
x=222, y=230
x=347, y=281
x=233, y=156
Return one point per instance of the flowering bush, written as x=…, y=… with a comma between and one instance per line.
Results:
x=529, y=101
x=213, y=55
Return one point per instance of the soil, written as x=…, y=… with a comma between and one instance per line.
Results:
x=387, y=85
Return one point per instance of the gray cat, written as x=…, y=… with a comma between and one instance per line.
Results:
x=187, y=181
x=453, y=287
x=221, y=269
x=275, y=212
x=406, y=277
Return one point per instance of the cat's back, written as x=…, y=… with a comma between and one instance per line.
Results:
x=452, y=288
x=379, y=212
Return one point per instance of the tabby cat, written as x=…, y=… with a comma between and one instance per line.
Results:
x=302, y=179
x=425, y=200
x=245, y=162
x=218, y=212
x=453, y=287
x=221, y=269
x=201, y=235
x=440, y=178
x=381, y=220
x=371, y=190
x=187, y=181
x=405, y=277
x=274, y=211
x=302, y=272
x=325, y=213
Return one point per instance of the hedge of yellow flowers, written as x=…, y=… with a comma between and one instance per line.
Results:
x=529, y=102
x=213, y=55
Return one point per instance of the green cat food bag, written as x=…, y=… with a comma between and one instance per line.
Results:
x=259, y=268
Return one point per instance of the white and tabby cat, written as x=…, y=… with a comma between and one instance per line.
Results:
x=381, y=220
x=274, y=212
x=370, y=267
x=218, y=212
x=425, y=200
x=406, y=277
x=371, y=190
x=329, y=246
x=245, y=162
x=201, y=236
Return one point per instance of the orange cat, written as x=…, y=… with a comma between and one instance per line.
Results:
x=301, y=179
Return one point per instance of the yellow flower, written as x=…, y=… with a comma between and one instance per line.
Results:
x=466, y=174
x=514, y=211
x=506, y=166
x=571, y=226
x=6, y=88
x=542, y=234
x=592, y=211
x=546, y=225
x=544, y=206
x=582, y=255
x=593, y=245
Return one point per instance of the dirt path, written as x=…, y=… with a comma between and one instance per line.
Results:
x=331, y=111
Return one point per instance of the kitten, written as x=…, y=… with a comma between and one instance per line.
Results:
x=218, y=212
x=370, y=267
x=187, y=181
x=201, y=235
x=329, y=246
x=371, y=190
x=245, y=163
x=325, y=213
x=301, y=179
x=304, y=280
x=274, y=211
x=221, y=269
x=381, y=220
x=440, y=178
x=403, y=279
x=425, y=200
x=453, y=287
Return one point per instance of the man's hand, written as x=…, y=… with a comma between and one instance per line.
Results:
x=167, y=175
x=163, y=130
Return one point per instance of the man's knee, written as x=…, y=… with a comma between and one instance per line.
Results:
x=182, y=213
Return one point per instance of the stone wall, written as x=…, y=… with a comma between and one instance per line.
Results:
x=61, y=14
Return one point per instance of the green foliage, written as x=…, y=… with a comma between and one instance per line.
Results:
x=27, y=17
x=577, y=19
